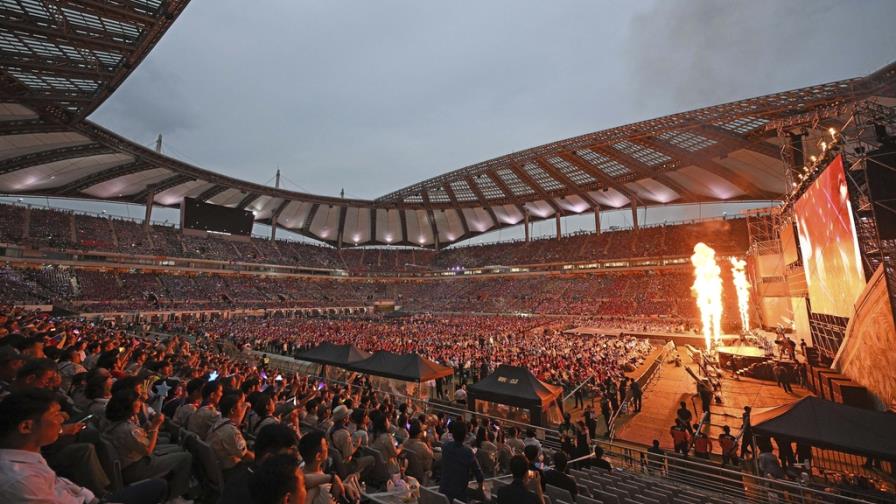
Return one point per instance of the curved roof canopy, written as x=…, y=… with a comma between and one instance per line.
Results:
x=58, y=62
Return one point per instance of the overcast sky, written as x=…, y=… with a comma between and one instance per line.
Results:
x=376, y=95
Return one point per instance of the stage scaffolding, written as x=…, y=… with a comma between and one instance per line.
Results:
x=856, y=131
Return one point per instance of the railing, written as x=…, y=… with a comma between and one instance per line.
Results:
x=644, y=381
x=728, y=485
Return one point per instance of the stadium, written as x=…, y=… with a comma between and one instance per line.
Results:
x=745, y=356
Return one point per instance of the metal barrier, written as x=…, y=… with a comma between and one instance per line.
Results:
x=726, y=485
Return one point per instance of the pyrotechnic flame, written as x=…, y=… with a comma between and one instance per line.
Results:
x=742, y=286
x=707, y=289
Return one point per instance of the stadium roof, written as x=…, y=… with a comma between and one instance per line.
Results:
x=59, y=62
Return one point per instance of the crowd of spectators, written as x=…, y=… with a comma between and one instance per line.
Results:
x=470, y=345
x=96, y=413
x=63, y=229
x=654, y=298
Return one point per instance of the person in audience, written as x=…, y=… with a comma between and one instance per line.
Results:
x=347, y=446
x=278, y=480
x=225, y=438
x=200, y=422
x=558, y=475
x=531, y=438
x=69, y=366
x=384, y=442
x=11, y=360
x=314, y=450
x=29, y=420
x=517, y=492
x=136, y=445
x=190, y=402
x=272, y=440
x=458, y=464
x=514, y=442
x=416, y=444
x=599, y=461
x=656, y=457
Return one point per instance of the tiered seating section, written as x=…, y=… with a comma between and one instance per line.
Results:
x=56, y=229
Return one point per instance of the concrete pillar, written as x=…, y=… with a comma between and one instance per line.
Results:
x=596, y=220
x=526, y=225
x=634, y=215
x=147, y=216
x=559, y=231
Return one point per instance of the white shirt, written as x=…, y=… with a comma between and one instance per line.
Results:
x=25, y=477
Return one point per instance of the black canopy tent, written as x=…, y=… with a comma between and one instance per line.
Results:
x=336, y=355
x=333, y=359
x=516, y=387
x=403, y=367
x=830, y=425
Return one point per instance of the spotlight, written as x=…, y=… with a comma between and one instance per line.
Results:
x=812, y=158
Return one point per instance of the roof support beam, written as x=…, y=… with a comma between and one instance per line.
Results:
x=106, y=175
x=705, y=162
x=340, y=226
x=211, y=192
x=29, y=126
x=586, y=166
x=431, y=216
x=97, y=41
x=647, y=171
x=482, y=200
x=247, y=200
x=504, y=189
x=107, y=10
x=404, y=226
x=521, y=173
x=162, y=186
x=459, y=212
x=62, y=67
x=306, y=224
x=735, y=141
x=275, y=216
x=557, y=174
x=51, y=156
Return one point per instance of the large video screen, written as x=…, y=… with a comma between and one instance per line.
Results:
x=828, y=243
x=220, y=219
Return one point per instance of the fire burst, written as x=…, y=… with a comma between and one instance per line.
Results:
x=707, y=289
x=743, y=291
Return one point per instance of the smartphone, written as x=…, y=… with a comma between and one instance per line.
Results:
x=120, y=349
x=87, y=418
x=213, y=376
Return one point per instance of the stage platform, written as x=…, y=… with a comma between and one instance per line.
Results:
x=678, y=338
x=674, y=384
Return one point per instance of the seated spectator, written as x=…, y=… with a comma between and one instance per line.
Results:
x=225, y=438
x=207, y=414
x=272, y=440
x=558, y=476
x=29, y=420
x=517, y=492
x=598, y=460
x=278, y=480
x=768, y=463
x=136, y=446
x=322, y=487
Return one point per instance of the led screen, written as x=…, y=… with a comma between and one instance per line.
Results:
x=828, y=243
x=220, y=219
